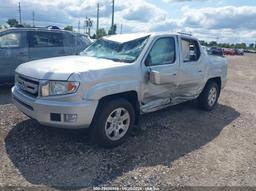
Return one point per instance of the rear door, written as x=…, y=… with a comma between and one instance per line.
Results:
x=45, y=44
x=191, y=78
x=69, y=44
x=75, y=43
x=83, y=42
x=13, y=52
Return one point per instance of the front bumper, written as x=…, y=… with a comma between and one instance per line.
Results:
x=42, y=110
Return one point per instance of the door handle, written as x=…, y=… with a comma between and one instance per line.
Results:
x=200, y=71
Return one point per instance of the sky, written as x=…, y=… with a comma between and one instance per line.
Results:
x=231, y=21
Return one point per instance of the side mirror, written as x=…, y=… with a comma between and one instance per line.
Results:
x=155, y=77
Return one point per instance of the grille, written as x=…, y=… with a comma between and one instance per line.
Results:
x=27, y=85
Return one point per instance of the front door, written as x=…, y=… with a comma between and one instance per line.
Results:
x=162, y=59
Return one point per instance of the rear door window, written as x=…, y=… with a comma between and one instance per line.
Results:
x=45, y=39
x=85, y=40
x=69, y=40
x=190, y=50
x=56, y=39
x=11, y=40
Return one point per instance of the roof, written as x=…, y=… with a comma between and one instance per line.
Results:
x=35, y=29
x=121, y=38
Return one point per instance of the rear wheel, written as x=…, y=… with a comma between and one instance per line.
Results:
x=113, y=122
x=208, y=99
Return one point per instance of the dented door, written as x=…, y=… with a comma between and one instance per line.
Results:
x=162, y=59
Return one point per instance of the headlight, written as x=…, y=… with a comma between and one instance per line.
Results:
x=53, y=88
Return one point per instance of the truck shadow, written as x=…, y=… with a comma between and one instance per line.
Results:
x=5, y=94
x=65, y=159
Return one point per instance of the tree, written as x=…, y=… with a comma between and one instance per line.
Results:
x=112, y=30
x=203, y=43
x=240, y=46
x=68, y=28
x=100, y=33
x=94, y=36
x=251, y=45
x=213, y=43
x=12, y=22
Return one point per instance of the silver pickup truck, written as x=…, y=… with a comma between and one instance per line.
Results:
x=115, y=80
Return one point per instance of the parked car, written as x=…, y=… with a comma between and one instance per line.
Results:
x=216, y=51
x=229, y=51
x=249, y=51
x=239, y=52
x=19, y=45
x=115, y=80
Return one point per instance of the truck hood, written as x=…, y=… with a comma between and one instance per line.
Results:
x=61, y=68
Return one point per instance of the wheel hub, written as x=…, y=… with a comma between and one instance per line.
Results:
x=212, y=97
x=117, y=124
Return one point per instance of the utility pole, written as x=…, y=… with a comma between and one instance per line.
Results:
x=33, y=15
x=79, y=26
x=20, y=12
x=84, y=26
x=89, y=26
x=121, y=29
x=98, y=14
x=113, y=16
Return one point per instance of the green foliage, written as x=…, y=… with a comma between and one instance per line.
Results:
x=213, y=43
x=100, y=33
x=68, y=28
x=94, y=36
x=252, y=45
x=112, y=30
x=12, y=22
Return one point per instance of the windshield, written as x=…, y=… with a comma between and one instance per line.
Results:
x=121, y=52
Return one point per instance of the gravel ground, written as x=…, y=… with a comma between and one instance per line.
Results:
x=178, y=146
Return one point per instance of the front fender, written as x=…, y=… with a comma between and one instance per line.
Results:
x=110, y=88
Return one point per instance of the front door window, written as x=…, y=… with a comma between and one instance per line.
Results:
x=162, y=52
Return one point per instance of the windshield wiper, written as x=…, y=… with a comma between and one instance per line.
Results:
x=116, y=59
x=122, y=60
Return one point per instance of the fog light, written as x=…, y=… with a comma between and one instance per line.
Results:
x=70, y=118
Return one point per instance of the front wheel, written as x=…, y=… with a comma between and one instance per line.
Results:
x=113, y=122
x=208, y=99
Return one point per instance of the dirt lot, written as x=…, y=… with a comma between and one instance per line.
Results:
x=178, y=146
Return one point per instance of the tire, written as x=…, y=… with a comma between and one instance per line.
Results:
x=109, y=130
x=208, y=99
